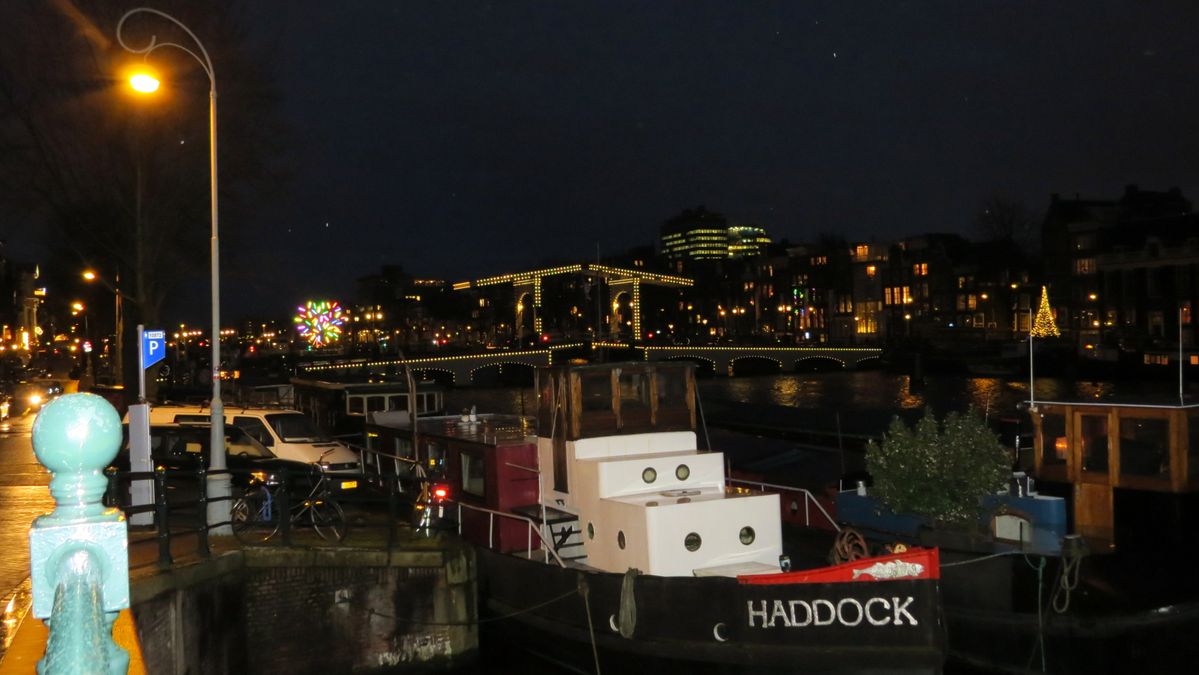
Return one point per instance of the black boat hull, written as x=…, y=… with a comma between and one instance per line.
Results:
x=714, y=624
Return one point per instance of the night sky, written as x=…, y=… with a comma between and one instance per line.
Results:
x=462, y=139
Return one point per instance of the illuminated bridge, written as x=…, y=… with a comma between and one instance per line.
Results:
x=623, y=284
x=465, y=369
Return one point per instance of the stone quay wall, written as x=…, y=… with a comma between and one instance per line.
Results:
x=319, y=611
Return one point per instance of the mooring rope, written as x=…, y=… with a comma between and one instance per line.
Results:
x=585, y=591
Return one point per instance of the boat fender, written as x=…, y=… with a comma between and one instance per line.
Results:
x=627, y=622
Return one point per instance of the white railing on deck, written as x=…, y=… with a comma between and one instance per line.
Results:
x=370, y=458
x=532, y=529
x=809, y=499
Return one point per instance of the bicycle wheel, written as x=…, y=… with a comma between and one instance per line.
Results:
x=328, y=519
x=254, y=516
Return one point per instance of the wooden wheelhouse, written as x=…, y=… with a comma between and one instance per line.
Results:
x=576, y=402
x=1103, y=451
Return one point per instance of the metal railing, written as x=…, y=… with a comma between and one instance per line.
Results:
x=533, y=529
x=372, y=458
x=809, y=499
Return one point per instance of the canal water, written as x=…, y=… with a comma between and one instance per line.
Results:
x=869, y=390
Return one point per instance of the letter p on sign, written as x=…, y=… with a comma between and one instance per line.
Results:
x=154, y=347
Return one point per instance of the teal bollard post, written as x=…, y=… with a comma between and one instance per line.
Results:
x=78, y=554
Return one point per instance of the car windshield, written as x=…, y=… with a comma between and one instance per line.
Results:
x=294, y=428
x=240, y=444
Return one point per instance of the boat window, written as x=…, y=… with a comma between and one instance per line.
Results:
x=1193, y=444
x=403, y=448
x=692, y=541
x=683, y=472
x=634, y=390
x=473, y=473
x=620, y=539
x=354, y=405
x=649, y=475
x=590, y=531
x=672, y=388
x=747, y=535
x=1053, y=438
x=399, y=402
x=1145, y=447
x=376, y=403
x=597, y=392
x=434, y=455
x=1093, y=430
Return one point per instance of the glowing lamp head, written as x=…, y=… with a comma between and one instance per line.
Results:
x=89, y=275
x=144, y=83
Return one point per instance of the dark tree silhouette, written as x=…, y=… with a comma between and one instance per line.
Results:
x=1000, y=218
x=120, y=183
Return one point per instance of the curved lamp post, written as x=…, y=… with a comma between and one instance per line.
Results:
x=218, y=487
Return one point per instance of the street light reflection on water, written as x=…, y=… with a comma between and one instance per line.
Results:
x=846, y=391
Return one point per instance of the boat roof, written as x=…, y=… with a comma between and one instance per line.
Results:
x=487, y=430
x=1117, y=403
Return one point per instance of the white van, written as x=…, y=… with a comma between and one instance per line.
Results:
x=289, y=434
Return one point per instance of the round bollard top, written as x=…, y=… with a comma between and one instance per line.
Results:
x=77, y=433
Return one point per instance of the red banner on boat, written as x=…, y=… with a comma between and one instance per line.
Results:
x=916, y=563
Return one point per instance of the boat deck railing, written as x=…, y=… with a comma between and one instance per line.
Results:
x=385, y=464
x=809, y=499
x=532, y=530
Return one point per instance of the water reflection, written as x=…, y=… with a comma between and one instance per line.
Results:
x=864, y=390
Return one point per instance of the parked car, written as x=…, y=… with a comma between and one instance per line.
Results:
x=287, y=434
x=181, y=448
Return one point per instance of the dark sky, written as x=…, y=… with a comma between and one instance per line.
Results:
x=462, y=139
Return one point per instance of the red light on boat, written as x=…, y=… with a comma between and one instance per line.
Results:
x=441, y=491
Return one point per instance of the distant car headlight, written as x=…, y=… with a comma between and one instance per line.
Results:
x=35, y=399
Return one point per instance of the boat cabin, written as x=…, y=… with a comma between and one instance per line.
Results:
x=611, y=474
x=1123, y=466
x=341, y=408
x=617, y=451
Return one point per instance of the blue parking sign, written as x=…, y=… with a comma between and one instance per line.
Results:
x=154, y=347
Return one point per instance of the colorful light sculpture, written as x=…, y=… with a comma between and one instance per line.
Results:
x=320, y=322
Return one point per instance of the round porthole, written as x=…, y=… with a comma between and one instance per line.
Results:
x=649, y=475
x=683, y=472
x=590, y=531
x=692, y=541
x=620, y=539
x=748, y=535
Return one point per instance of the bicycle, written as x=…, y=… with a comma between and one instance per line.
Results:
x=256, y=515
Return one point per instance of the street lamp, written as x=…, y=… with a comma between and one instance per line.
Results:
x=118, y=321
x=218, y=486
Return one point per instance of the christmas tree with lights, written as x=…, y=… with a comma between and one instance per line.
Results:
x=1043, y=325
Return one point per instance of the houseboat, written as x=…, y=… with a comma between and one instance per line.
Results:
x=342, y=408
x=603, y=533
x=1082, y=567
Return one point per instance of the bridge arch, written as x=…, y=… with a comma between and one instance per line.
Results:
x=868, y=362
x=441, y=376
x=703, y=366
x=503, y=373
x=818, y=363
x=755, y=364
